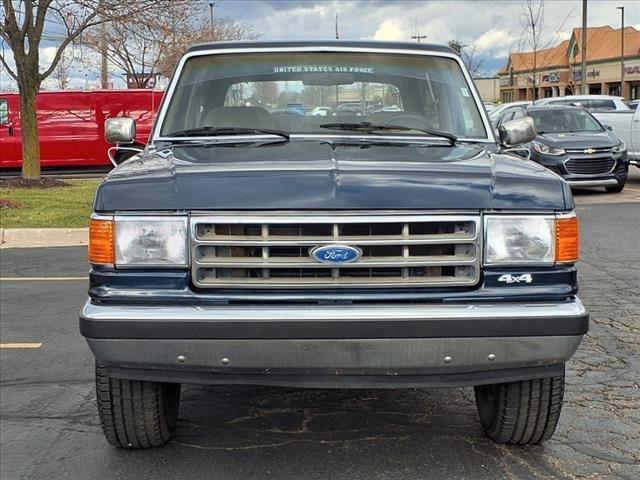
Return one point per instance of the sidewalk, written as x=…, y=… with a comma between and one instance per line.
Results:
x=43, y=237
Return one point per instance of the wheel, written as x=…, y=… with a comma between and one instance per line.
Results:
x=520, y=413
x=136, y=414
x=616, y=189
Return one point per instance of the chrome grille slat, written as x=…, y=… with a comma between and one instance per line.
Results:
x=271, y=250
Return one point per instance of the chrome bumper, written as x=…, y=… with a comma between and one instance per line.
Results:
x=362, y=346
x=592, y=183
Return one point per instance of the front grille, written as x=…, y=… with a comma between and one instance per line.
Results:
x=592, y=150
x=590, y=166
x=272, y=250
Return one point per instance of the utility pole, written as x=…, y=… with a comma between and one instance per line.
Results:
x=418, y=37
x=211, y=19
x=621, y=51
x=583, y=69
x=337, y=34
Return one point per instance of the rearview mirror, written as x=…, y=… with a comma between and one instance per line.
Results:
x=608, y=127
x=517, y=132
x=120, y=130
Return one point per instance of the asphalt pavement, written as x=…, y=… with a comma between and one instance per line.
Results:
x=49, y=426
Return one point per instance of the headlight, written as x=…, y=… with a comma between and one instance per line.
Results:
x=530, y=239
x=139, y=241
x=547, y=150
x=621, y=147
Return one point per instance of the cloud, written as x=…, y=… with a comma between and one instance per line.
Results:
x=390, y=29
x=495, y=41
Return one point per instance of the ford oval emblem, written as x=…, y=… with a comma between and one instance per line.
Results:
x=336, y=254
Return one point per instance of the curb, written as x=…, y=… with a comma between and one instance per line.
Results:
x=43, y=237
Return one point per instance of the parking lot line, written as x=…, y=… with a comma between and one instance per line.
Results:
x=41, y=279
x=20, y=345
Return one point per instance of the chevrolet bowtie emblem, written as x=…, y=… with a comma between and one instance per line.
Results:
x=589, y=150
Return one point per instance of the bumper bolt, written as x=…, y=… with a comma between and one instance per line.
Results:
x=447, y=359
x=225, y=361
x=491, y=357
x=181, y=358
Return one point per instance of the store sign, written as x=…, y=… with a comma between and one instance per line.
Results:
x=550, y=78
x=593, y=73
x=632, y=69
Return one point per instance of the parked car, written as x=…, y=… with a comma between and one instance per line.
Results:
x=633, y=104
x=571, y=142
x=589, y=102
x=321, y=111
x=502, y=110
x=626, y=126
x=71, y=125
x=490, y=106
x=392, y=250
x=348, y=109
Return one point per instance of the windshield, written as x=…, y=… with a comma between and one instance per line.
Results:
x=564, y=121
x=308, y=92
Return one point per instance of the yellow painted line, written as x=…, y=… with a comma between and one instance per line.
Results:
x=41, y=279
x=20, y=345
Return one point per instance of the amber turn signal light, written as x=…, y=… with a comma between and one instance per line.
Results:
x=101, y=242
x=567, y=239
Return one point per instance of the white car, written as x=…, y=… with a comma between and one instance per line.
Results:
x=626, y=126
x=320, y=111
x=589, y=102
x=505, y=108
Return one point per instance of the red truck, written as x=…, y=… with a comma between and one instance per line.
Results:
x=71, y=125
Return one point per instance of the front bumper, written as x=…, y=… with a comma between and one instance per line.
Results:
x=336, y=346
x=557, y=164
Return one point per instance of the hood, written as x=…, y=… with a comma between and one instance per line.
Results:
x=313, y=175
x=578, y=139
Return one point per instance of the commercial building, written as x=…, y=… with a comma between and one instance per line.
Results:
x=556, y=71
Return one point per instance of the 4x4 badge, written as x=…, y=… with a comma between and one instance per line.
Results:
x=508, y=278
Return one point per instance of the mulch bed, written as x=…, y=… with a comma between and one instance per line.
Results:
x=44, y=182
x=7, y=203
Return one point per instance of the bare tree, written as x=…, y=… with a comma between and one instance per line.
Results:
x=136, y=46
x=534, y=41
x=22, y=27
x=62, y=70
x=474, y=64
x=223, y=29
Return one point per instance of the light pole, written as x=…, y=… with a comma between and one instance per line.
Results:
x=211, y=19
x=583, y=68
x=621, y=49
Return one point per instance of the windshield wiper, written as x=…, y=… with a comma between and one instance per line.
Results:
x=368, y=127
x=216, y=131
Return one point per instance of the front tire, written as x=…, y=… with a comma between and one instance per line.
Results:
x=136, y=414
x=520, y=413
x=616, y=189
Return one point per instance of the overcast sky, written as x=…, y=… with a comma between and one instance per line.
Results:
x=492, y=26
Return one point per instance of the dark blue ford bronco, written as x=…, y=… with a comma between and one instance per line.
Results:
x=396, y=243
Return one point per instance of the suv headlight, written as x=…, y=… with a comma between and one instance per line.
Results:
x=547, y=150
x=621, y=147
x=139, y=241
x=530, y=239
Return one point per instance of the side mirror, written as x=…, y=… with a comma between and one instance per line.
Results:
x=608, y=127
x=120, y=130
x=517, y=132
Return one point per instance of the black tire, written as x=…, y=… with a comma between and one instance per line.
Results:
x=136, y=414
x=616, y=189
x=520, y=413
